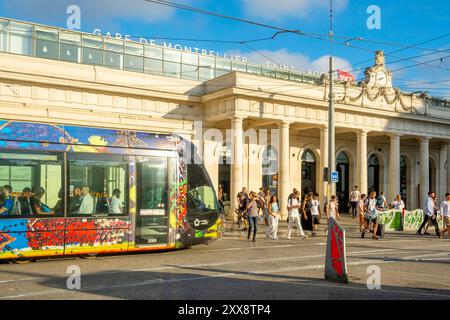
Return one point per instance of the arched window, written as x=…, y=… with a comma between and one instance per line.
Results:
x=308, y=172
x=308, y=156
x=343, y=185
x=342, y=158
x=270, y=169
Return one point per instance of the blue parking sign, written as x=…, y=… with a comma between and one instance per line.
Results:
x=334, y=176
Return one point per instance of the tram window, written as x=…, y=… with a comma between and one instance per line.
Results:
x=98, y=185
x=31, y=185
x=201, y=192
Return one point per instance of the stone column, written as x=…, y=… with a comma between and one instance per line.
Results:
x=424, y=171
x=283, y=173
x=323, y=163
x=394, y=167
x=361, y=155
x=237, y=160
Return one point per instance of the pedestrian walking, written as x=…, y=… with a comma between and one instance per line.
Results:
x=315, y=213
x=267, y=198
x=361, y=211
x=370, y=215
x=430, y=214
x=253, y=210
x=381, y=202
x=273, y=218
x=294, y=205
x=333, y=209
x=354, y=200
x=445, y=212
x=306, y=219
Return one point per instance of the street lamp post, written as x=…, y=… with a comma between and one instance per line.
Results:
x=331, y=120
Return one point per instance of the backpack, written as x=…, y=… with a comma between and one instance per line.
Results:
x=380, y=202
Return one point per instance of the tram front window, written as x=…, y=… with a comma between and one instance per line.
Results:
x=201, y=193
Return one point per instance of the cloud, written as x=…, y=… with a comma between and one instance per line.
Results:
x=299, y=61
x=92, y=11
x=277, y=10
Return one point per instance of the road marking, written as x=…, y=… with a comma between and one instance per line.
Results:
x=353, y=253
x=228, y=274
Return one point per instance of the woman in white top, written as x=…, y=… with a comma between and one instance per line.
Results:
x=398, y=203
x=273, y=218
x=294, y=204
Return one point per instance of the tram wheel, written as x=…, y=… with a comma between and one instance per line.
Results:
x=88, y=256
x=23, y=260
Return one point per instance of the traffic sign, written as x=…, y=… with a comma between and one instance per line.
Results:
x=334, y=176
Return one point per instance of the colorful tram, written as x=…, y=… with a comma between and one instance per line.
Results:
x=87, y=191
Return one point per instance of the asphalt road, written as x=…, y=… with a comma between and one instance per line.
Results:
x=412, y=267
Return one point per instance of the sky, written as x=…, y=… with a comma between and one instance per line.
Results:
x=402, y=23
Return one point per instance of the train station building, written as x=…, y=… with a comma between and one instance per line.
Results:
x=387, y=140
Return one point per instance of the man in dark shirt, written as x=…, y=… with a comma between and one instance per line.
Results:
x=24, y=202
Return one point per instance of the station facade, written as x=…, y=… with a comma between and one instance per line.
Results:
x=386, y=140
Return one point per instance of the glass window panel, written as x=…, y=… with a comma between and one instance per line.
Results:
x=239, y=66
x=153, y=52
x=70, y=46
x=189, y=58
x=47, y=43
x=172, y=55
x=134, y=63
x=21, y=38
x=114, y=54
x=189, y=72
x=251, y=68
x=308, y=79
x=223, y=64
x=92, y=50
x=268, y=72
x=98, y=185
x=93, y=56
x=92, y=42
x=283, y=74
x=114, y=45
x=207, y=61
x=4, y=37
x=134, y=48
x=153, y=66
x=206, y=73
x=40, y=172
x=113, y=59
x=172, y=69
x=296, y=76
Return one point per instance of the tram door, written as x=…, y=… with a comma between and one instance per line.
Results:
x=155, y=185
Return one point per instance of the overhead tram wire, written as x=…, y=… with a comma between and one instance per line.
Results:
x=298, y=32
x=401, y=49
x=407, y=59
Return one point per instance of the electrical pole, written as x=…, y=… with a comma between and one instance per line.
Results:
x=331, y=131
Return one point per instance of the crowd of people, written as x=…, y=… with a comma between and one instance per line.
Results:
x=81, y=202
x=305, y=212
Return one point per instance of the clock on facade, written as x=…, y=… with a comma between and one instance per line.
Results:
x=381, y=78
